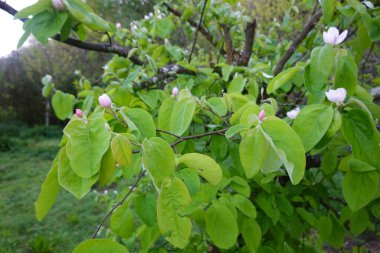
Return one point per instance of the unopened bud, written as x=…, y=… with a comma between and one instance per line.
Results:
x=58, y=5
x=79, y=113
x=105, y=101
x=118, y=25
x=261, y=115
x=175, y=91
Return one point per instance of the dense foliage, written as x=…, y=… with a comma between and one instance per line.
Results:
x=232, y=147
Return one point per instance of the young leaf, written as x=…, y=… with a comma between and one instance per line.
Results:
x=49, y=191
x=221, y=225
x=63, y=104
x=143, y=121
x=121, y=150
x=312, y=123
x=182, y=116
x=158, y=159
x=76, y=185
x=282, y=78
x=47, y=24
x=87, y=145
x=34, y=9
x=244, y=205
x=107, y=168
x=205, y=166
x=172, y=199
x=100, y=245
x=288, y=147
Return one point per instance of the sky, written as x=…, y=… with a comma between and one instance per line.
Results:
x=10, y=29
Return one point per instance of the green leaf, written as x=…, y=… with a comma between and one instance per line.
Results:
x=359, y=188
x=158, y=159
x=49, y=191
x=47, y=24
x=204, y=165
x=34, y=9
x=63, y=104
x=221, y=225
x=324, y=227
x=84, y=14
x=282, y=78
x=172, y=200
x=359, y=166
x=146, y=208
x=234, y=130
x=166, y=108
x=253, y=151
x=121, y=150
x=288, y=147
x=88, y=142
x=244, y=205
x=122, y=222
x=182, y=116
x=76, y=185
x=252, y=234
x=143, y=121
x=165, y=27
x=100, y=245
x=237, y=84
x=219, y=146
x=107, y=168
x=328, y=7
x=346, y=74
x=312, y=123
x=321, y=65
x=359, y=131
x=241, y=186
x=218, y=105
x=191, y=179
x=226, y=72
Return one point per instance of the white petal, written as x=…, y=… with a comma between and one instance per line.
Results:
x=328, y=38
x=341, y=37
x=331, y=96
x=333, y=31
x=369, y=4
x=293, y=113
x=341, y=94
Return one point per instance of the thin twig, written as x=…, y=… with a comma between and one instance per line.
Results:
x=109, y=38
x=366, y=60
x=117, y=204
x=168, y=133
x=197, y=136
x=197, y=30
x=297, y=41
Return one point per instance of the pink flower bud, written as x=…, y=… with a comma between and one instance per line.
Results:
x=105, y=101
x=175, y=91
x=58, y=5
x=118, y=25
x=261, y=115
x=79, y=113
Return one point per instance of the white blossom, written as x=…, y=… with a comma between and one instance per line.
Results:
x=333, y=37
x=293, y=113
x=336, y=96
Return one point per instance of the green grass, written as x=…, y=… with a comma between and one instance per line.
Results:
x=22, y=172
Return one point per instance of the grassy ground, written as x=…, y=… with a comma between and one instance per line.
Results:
x=22, y=171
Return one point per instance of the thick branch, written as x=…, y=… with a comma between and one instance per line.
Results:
x=228, y=42
x=249, y=38
x=297, y=41
x=106, y=48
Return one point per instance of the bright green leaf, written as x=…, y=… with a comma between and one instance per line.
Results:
x=100, y=245
x=121, y=150
x=63, y=104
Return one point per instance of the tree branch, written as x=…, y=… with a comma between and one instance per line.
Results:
x=249, y=39
x=228, y=42
x=192, y=23
x=197, y=136
x=117, y=204
x=297, y=41
x=197, y=29
x=106, y=48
